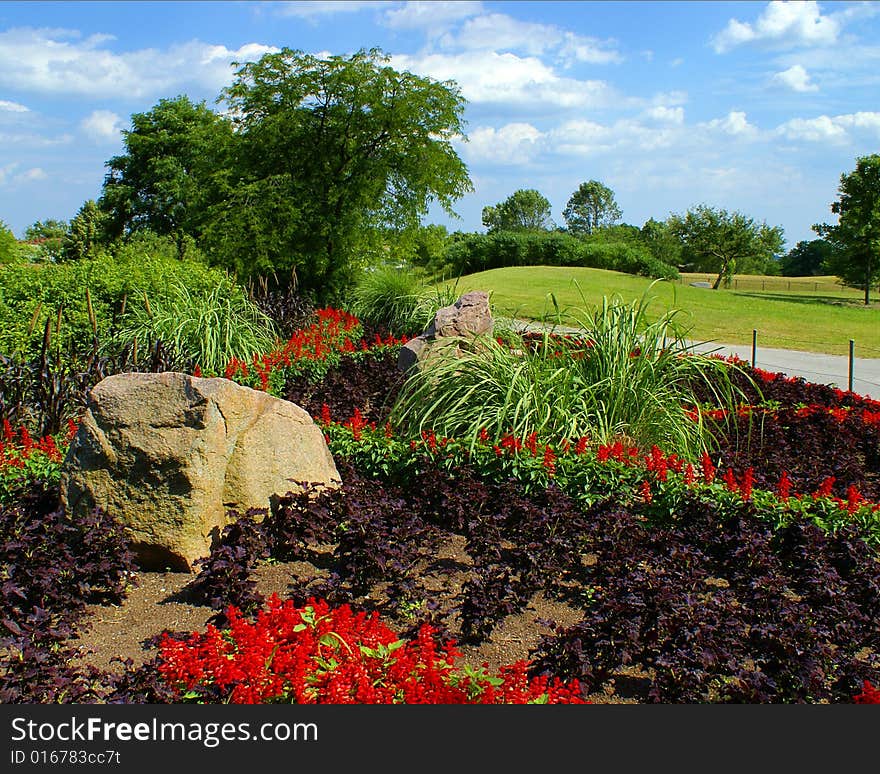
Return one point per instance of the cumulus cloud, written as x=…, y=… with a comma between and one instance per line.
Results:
x=12, y=107
x=515, y=143
x=836, y=129
x=428, y=15
x=798, y=22
x=734, y=124
x=672, y=115
x=795, y=78
x=63, y=62
x=499, y=32
x=505, y=78
x=9, y=176
x=102, y=125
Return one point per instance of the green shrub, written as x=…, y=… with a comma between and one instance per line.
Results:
x=469, y=253
x=627, y=381
x=32, y=293
x=396, y=298
x=209, y=326
x=10, y=250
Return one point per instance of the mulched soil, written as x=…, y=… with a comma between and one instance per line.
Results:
x=159, y=602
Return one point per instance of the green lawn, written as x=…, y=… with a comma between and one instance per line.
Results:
x=802, y=318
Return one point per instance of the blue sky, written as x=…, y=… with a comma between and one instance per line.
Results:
x=752, y=106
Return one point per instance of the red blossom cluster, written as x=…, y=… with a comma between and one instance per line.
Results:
x=869, y=694
x=656, y=462
x=330, y=334
x=18, y=446
x=321, y=655
x=840, y=413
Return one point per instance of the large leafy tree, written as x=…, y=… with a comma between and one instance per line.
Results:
x=524, y=210
x=856, y=237
x=718, y=241
x=808, y=258
x=328, y=152
x=164, y=181
x=591, y=207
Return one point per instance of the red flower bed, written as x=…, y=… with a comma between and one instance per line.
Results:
x=321, y=655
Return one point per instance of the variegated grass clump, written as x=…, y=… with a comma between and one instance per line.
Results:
x=398, y=299
x=625, y=377
x=209, y=327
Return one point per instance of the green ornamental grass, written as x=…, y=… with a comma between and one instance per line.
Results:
x=209, y=326
x=630, y=379
x=397, y=298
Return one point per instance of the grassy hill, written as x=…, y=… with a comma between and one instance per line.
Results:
x=815, y=315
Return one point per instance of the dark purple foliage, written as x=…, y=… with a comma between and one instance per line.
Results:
x=52, y=565
x=722, y=609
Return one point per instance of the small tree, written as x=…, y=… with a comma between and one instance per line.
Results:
x=715, y=240
x=48, y=235
x=856, y=237
x=662, y=243
x=86, y=233
x=9, y=247
x=524, y=210
x=591, y=207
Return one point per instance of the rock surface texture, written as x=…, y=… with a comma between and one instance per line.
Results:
x=466, y=318
x=169, y=454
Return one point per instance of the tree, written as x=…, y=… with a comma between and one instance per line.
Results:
x=164, y=180
x=86, y=234
x=662, y=243
x=715, y=240
x=591, y=207
x=523, y=210
x=326, y=152
x=807, y=258
x=9, y=247
x=48, y=235
x=856, y=237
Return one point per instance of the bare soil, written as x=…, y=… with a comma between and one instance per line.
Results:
x=158, y=601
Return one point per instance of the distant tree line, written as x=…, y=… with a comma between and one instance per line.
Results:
x=320, y=167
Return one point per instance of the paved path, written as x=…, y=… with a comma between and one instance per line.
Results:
x=812, y=366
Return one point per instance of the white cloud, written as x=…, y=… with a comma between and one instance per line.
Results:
x=671, y=115
x=102, y=125
x=515, y=143
x=836, y=129
x=524, y=82
x=33, y=140
x=31, y=175
x=795, y=78
x=62, y=62
x=785, y=23
x=12, y=107
x=8, y=175
x=734, y=123
x=312, y=9
x=499, y=32
x=428, y=15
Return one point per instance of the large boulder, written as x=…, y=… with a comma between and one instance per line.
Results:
x=467, y=318
x=169, y=454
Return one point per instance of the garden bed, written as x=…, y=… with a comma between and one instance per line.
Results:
x=750, y=575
